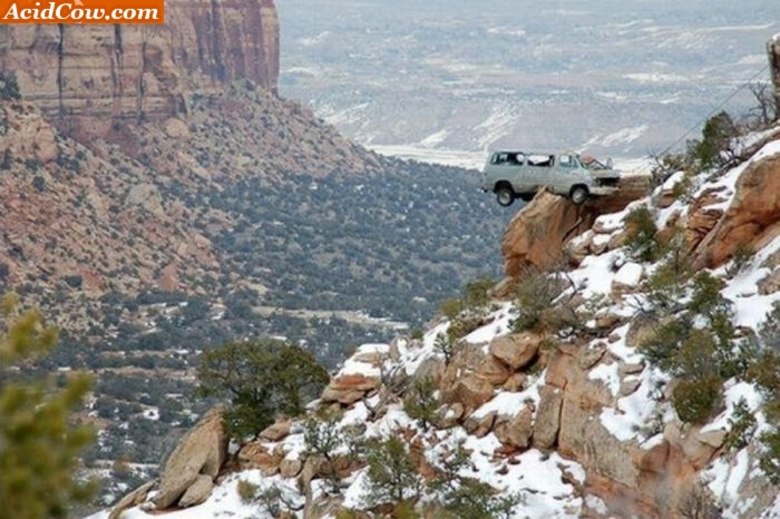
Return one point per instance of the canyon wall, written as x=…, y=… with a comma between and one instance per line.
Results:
x=86, y=77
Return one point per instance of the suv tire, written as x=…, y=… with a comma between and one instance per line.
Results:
x=505, y=195
x=579, y=194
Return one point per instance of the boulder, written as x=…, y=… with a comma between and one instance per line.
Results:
x=629, y=386
x=770, y=283
x=627, y=279
x=607, y=321
x=516, y=350
x=341, y=396
x=480, y=426
x=548, y=417
x=600, y=244
x=518, y=431
x=471, y=391
x=290, y=468
x=493, y=371
x=630, y=368
x=277, y=431
x=201, y=452
x=255, y=455
x=577, y=249
x=590, y=356
x=548, y=221
x=516, y=382
x=432, y=367
x=752, y=219
x=641, y=330
x=134, y=498
x=702, y=217
x=198, y=492
x=354, y=382
x=450, y=415
x=348, y=389
x=687, y=440
x=714, y=439
x=558, y=368
x=539, y=228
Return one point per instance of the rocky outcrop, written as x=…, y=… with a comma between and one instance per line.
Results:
x=773, y=52
x=537, y=234
x=201, y=453
x=88, y=77
x=752, y=219
x=516, y=350
x=197, y=492
x=134, y=498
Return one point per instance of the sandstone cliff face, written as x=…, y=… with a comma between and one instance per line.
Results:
x=773, y=52
x=537, y=234
x=752, y=219
x=87, y=77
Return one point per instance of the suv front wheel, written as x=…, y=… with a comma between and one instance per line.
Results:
x=578, y=194
x=505, y=195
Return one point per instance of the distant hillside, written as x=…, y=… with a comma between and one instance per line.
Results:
x=243, y=216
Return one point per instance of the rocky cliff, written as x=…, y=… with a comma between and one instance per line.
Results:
x=554, y=394
x=87, y=77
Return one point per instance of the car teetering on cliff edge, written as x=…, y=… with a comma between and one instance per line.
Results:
x=517, y=174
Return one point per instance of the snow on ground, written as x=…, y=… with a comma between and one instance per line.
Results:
x=499, y=123
x=224, y=501
x=434, y=139
x=458, y=158
x=509, y=403
x=644, y=77
x=624, y=136
x=728, y=182
x=725, y=477
x=353, y=367
x=596, y=273
x=349, y=115
x=629, y=274
x=536, y=476
x=633, y=411
x=734, y=393
x=500, y=325
x=750, y=306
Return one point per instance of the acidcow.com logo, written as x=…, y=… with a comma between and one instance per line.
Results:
x=82, y=11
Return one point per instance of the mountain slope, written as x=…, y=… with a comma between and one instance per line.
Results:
x=568, y=406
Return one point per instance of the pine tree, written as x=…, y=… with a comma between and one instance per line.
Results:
x=39, y=446
x=262, y=380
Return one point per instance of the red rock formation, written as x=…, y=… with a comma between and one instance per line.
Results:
x=535, y=237
x=752, y=220
x=96, y=75
x=773, y=51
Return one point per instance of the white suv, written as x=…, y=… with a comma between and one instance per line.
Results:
x=516, y=174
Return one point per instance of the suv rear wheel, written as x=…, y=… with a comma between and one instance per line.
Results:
x=578, y=194
x=505, y=195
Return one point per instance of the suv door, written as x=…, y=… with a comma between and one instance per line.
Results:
x=517, y=172
x=567, y=173
x=540, y=170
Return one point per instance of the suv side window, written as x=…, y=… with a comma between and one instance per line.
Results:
x=500, y=158
x=541, y=160
x=567, y=161
x=516, y=159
